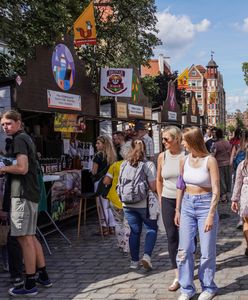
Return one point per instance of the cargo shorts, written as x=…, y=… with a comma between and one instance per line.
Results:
x=23, y=217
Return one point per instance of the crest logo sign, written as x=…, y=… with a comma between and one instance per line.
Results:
x=116, y=82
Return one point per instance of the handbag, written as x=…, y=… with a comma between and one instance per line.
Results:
x=180, y=183
x=4, y=230
x=96, y=177
x=102, y=189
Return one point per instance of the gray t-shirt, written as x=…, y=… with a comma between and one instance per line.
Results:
x=151, y=174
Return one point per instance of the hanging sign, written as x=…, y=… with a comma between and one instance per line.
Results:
x=116, y=82
x=85, y=27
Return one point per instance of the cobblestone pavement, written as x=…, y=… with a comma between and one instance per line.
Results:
x=93, y=268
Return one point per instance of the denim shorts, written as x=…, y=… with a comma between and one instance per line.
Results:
x=23, y=217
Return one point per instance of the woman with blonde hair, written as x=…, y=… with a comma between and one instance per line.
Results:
x=239, y=196
x=104, y=157
x=167, y=174
x=122, y=230
x=196, y=211
x=137, y=176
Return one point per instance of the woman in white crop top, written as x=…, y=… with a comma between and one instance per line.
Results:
x=196, y=211
x=167, y=173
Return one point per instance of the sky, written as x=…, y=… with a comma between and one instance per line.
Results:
x=191, y=29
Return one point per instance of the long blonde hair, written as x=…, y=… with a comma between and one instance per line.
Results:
x=194, y=138
x=137, y=153
x=108, y=150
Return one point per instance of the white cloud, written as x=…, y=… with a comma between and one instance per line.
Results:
x=177, y=32
x=243, y=26
x=237, y=100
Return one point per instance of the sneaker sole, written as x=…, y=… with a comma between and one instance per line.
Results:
x=146, y=265
x=22, y=295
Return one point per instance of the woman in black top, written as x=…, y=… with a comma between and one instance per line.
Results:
x=104, y=157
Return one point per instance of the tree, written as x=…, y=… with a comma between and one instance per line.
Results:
x=245, y=71
x=126, y=37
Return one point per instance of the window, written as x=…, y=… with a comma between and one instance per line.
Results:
x=193, y=73
x=198, y=95
x=199, y=83
x=193, y=83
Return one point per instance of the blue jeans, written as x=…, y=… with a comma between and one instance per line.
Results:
x=195, y=209
x=136, y=217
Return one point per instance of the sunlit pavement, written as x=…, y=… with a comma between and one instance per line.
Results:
x=93, y=268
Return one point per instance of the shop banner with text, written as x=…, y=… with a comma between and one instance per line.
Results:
x=63, y=100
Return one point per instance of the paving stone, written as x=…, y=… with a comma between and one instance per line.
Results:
x=93, y=268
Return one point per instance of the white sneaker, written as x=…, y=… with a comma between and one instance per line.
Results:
x=184, y=297
x=134, y=264
x=206, y=296
x=146, y=262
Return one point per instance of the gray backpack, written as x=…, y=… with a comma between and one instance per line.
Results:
x=132, y=185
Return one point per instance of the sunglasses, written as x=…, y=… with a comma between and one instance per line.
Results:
x=165, y=139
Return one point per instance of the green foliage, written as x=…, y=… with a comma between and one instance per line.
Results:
x=245, y=71
x=26, y=24
x=126, y=38
x=239, y=121
x=150, y=87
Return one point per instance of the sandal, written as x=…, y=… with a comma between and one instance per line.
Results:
x=174, y=286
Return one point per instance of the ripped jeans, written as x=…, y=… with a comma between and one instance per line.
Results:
x=194, y=212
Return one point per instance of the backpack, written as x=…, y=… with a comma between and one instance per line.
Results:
x=132, y=184
x=238, y=158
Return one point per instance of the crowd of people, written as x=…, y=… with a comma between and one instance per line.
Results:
x=192, y=173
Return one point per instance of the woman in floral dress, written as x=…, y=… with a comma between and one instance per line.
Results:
x=239, y=197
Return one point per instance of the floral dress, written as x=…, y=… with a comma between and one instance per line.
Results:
x=240, y=190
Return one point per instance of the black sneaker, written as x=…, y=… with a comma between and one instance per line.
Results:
x=246, y=252
x=46, y=283
x=18, y=282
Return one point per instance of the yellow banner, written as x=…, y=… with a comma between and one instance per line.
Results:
x=66, y=123
x=85, y=27
x=183, y=79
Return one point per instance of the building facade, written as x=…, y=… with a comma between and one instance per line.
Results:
x=207, y=83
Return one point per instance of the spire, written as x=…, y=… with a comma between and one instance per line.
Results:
x=212, y=63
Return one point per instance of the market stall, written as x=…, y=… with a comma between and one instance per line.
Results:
x=58, y=108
